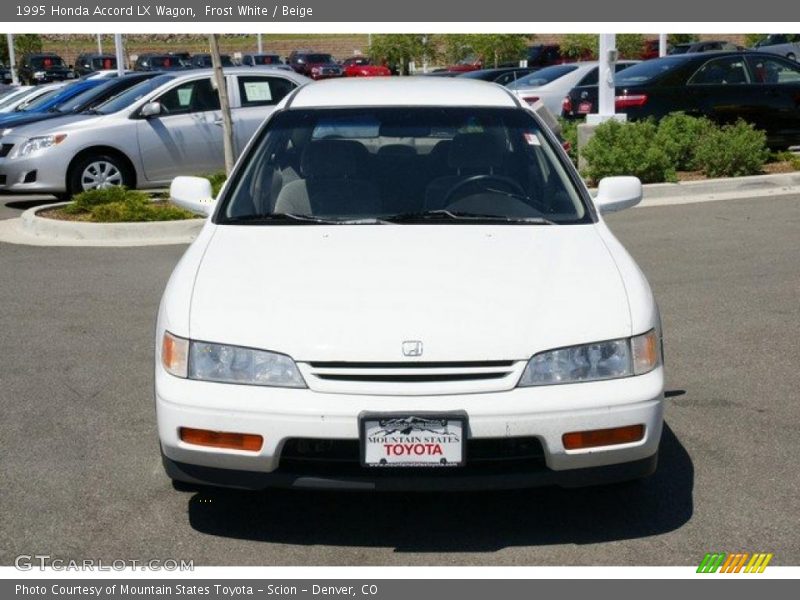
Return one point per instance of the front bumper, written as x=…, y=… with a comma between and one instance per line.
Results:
x=279, y=414
x=40, y=173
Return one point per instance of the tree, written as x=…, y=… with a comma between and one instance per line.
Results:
x=24, y=43
x=399, y=49
x=224, y=104
x=580, y=46
x=492, y=48
x=750, y=39
x=681, y=38
x=630, y=45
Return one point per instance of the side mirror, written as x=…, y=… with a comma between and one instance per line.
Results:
x=618, y=193
x=193, y=194
x=151, y=109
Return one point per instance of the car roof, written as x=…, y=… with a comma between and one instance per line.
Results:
x=402, y=91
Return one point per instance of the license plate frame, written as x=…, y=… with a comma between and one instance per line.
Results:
x=431, y=425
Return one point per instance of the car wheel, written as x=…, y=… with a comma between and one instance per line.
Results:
x=98, y=171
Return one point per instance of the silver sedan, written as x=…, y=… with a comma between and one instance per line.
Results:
x=166, y=126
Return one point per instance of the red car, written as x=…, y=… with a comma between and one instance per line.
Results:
x=361, y=66
x=465, y=65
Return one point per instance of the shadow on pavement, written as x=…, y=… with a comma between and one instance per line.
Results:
x=26, y=204
x=474, y=522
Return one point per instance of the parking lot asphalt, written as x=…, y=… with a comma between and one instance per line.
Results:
x=81, y=473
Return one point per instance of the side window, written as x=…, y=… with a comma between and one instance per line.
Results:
x=771, y=71
x=192, y=96
x=263, y=91
x=721, y=71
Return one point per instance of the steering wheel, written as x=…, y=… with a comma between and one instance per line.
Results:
x=506, y=182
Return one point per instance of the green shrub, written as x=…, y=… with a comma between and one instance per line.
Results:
x=119, y=204
x=679, y=135
x=569, y=131
x=732, y=151
x=86, y=201
x=627, y=149
x=216, y=179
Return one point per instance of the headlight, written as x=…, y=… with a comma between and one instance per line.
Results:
x=205, y=361
x=593, y=362
x=41, y=142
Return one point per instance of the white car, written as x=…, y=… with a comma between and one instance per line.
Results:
x=551, y=84
x=24, y=95
x=403, y=287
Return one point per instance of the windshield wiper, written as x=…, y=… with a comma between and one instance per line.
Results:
x=447, y=215
x=295, y=219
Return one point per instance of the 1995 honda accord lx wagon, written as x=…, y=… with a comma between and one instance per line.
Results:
x=405, y=285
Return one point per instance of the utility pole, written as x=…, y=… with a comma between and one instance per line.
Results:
x=224, y=104
x=260, y=45
x=662, y=44
x=120, y=53
x=99, y=44
x=12, y=59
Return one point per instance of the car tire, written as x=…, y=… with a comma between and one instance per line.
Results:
x=98, y=171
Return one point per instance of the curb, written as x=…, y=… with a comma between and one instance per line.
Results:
x=52, y=232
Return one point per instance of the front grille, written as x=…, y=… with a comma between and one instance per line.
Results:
x=5, y=150
x=325, y=457
x=413, y=377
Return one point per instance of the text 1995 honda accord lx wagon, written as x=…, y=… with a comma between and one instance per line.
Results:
x=405, y=285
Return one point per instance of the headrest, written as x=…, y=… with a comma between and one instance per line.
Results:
x=333, y=159
x=476, y=151
x=397, y=151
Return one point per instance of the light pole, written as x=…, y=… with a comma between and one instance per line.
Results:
x=12, y=59
x=607, y=58
x=260, y=45
x=99, y=44
x=120, y=54
x=605, y=84
x=662, y=44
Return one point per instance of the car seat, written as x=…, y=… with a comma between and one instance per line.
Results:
x=332, y=184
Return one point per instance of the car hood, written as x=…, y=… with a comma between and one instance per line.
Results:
x=355, y=293
x=60, y=123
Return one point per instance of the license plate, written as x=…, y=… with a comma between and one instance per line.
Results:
x=412, y=440
x=585, y=108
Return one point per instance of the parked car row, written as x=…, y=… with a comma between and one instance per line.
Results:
x=138, y=130
x=761, y=88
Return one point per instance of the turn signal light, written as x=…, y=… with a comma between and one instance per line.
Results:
x=578, y=440
x=221, y=439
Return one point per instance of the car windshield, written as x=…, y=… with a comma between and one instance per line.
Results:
x=461, y=165
x=266, y=59
x=102, y=63
x=648, y=70
x=24, y=100
x=86, y=98
x=131, y=95
x=46, y=62
x=47, y=101
x=166, y=62
x=542, y=76
x=319, y=58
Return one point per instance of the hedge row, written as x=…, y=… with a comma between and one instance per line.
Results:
x=654, y=152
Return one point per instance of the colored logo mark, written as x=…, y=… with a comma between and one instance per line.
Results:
x=736, y=562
